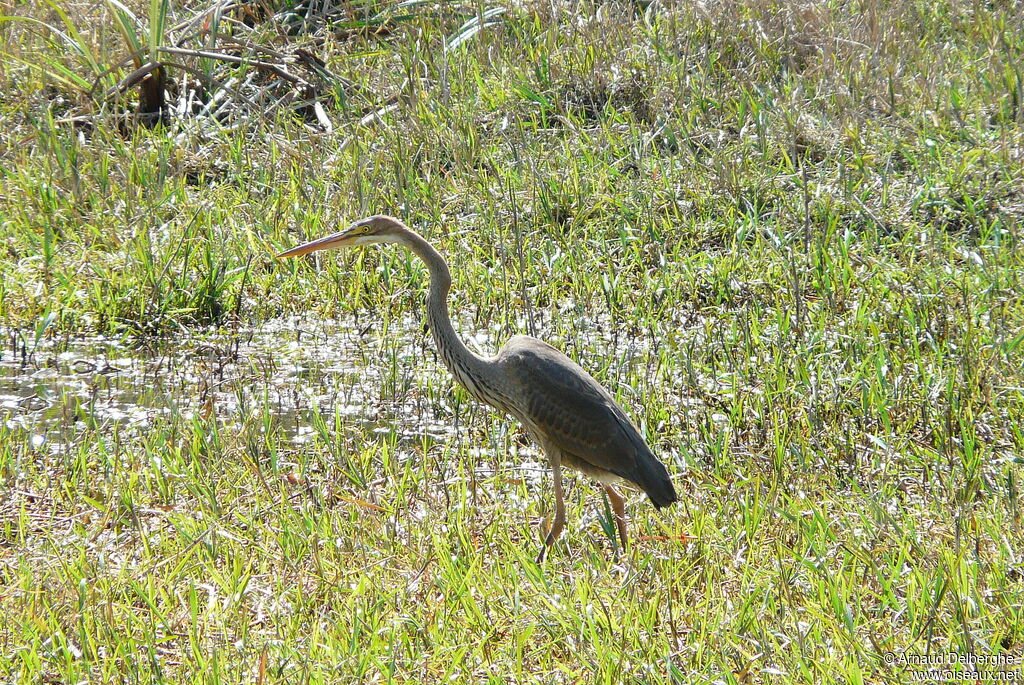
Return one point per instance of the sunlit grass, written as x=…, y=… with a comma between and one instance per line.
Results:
x=786, y=238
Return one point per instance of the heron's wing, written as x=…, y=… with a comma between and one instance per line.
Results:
x=570, y=408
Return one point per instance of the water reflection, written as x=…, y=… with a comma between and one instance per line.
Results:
x=283, y=368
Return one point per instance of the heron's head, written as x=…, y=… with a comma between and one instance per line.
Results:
x=373, y=229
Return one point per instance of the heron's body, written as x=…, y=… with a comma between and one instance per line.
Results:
x=570, y=415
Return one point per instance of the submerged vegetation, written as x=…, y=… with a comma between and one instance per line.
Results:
x=787, y=236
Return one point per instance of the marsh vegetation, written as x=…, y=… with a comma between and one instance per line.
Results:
x=786, y=235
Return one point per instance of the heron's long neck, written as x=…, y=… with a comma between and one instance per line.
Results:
x=473, y=372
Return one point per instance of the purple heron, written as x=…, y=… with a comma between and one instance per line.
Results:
x=569, y=414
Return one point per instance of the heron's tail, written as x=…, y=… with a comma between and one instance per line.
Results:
x=651, y=475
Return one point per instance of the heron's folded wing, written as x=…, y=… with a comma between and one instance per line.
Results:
x=571, y=408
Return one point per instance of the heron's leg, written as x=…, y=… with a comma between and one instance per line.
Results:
x=559, y=523
x=619, y=509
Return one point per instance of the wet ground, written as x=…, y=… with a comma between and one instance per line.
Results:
x=382, y=377
x=284, y=368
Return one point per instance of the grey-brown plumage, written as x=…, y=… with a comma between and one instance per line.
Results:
x=569, y=414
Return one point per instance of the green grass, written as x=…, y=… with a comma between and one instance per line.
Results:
x=788, y=239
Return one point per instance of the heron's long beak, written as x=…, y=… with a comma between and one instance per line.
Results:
x=330, y=242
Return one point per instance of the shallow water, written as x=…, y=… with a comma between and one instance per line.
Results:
x=283, y=368
x=384, y=377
